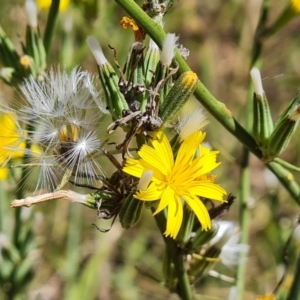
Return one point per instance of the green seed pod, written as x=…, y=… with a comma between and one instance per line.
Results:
x=115, y=100
x=149, y=65
x=131, y=211
x=262, y=120
x=178, y=96
x=283, y=130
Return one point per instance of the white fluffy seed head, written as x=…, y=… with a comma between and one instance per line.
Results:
x=63, y=113
x=168, y=49
x=31, y=13
x=257, y=83
x=96, y=50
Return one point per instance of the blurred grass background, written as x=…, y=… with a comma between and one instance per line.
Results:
x=75, y=261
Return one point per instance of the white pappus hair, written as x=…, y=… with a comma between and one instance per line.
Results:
x=61, y=118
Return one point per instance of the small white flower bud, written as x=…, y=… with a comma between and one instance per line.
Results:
x=31, y=13
x=257, y=83
x=96, y=50
x=145, y=180
x=168, y=48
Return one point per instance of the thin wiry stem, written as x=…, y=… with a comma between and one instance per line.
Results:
x=245, y=187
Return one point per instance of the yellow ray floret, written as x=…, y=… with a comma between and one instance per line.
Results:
x=180, y=181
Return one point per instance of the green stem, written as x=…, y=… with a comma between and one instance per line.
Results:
x=53, y=12
x=286, y=179
x=295, y=289
x=178, y=259
x=245, y=192
x=286, y=165
x=244, y=222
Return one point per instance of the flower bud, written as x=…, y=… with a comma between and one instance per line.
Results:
x=131, y=211
x=163, y=70
x=115, y=100
x=8, y=54
x=283, y=130
x=178, y=96
x=262, y=120
x=203, y=237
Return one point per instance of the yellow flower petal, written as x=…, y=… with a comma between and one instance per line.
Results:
x=166, y=198
x=174, y=219
x=151, y=194
x=200, y=210
x=158, y=164
x=188, y=149
x=163, y=149
x=208, y=190
x=3, y=173
x=133, y=167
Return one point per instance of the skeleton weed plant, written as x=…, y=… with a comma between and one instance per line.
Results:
x=164, y=166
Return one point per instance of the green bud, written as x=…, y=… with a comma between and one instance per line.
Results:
x=163, y=73
x=203, y=237
x=283, y=130
x=186, y=227
x=131, y=211
x=24, y=272
x=150, y=62
x=115, y=100
x=8, y=54
x=35, y=48
x=7, y=268
x=135, y=77
x=178, y=96
x=262, y=120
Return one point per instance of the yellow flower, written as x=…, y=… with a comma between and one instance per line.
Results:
x=177, y=180
x=45, y=4
x=9, y=137
x=295, y=5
